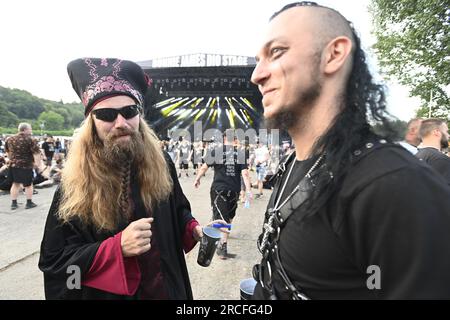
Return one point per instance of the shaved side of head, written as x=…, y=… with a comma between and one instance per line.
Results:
x=330, y=24
x=327, y=22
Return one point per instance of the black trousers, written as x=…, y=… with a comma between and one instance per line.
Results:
x=224, y=204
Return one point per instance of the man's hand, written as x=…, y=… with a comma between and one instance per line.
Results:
x=136, y=237
x=197, y=182
x=197, y=233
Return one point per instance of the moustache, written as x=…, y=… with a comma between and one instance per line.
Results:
x=120, y=132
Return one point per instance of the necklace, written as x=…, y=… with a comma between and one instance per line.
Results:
x=280, y=195
x=268, y=227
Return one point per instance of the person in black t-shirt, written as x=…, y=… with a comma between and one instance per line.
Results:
x=49, y=149
x=352, y=215
x=226, y=185
x=434, y=133
x=57, y=146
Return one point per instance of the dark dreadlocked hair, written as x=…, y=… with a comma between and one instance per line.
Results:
x=364, y=102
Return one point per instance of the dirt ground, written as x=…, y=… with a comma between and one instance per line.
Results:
x=220, y=281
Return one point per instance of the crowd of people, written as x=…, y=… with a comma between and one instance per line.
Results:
x=428, y=140
x=30, y=162
x=188, y=158
x=261, y=158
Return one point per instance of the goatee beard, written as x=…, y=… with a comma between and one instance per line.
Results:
x=290, y=118
x=116, y=152
x=284, y=120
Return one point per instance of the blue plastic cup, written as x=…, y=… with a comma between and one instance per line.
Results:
x=247, y=287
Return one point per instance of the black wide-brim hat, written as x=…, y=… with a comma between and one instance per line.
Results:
x=95, y=79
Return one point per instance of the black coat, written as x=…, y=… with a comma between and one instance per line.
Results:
x=391, y=213
x=64, y=245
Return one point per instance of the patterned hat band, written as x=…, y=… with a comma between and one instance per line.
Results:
x=109, y=86
x=95, y=79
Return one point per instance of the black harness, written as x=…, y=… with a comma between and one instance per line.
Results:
x=275, y=219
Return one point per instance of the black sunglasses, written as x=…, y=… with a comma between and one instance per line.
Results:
x=110, y=114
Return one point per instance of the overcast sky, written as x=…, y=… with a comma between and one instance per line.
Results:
x=40, y=37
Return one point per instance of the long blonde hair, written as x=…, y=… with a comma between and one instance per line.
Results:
x=93, y=193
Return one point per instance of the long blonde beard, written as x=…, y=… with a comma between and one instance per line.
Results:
x=96, y=194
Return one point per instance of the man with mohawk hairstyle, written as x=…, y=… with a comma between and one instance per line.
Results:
x=352, y=215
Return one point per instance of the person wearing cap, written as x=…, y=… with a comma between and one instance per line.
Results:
x=352, y=214
x=119, y=223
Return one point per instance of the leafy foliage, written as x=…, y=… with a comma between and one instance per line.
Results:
x=398, y=126
x=413, y=46
x=7, y=118
x=51, y=120
x=21, y=106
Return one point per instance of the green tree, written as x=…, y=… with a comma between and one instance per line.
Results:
x=66, y=115
x=77, y=118
x=413, y=46
x=398, y=126
x=7, y=119
x=76, y=111
x=23, y=106
x=72, y=112
x=52, y=120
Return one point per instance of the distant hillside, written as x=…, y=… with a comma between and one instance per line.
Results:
x=21, y=106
